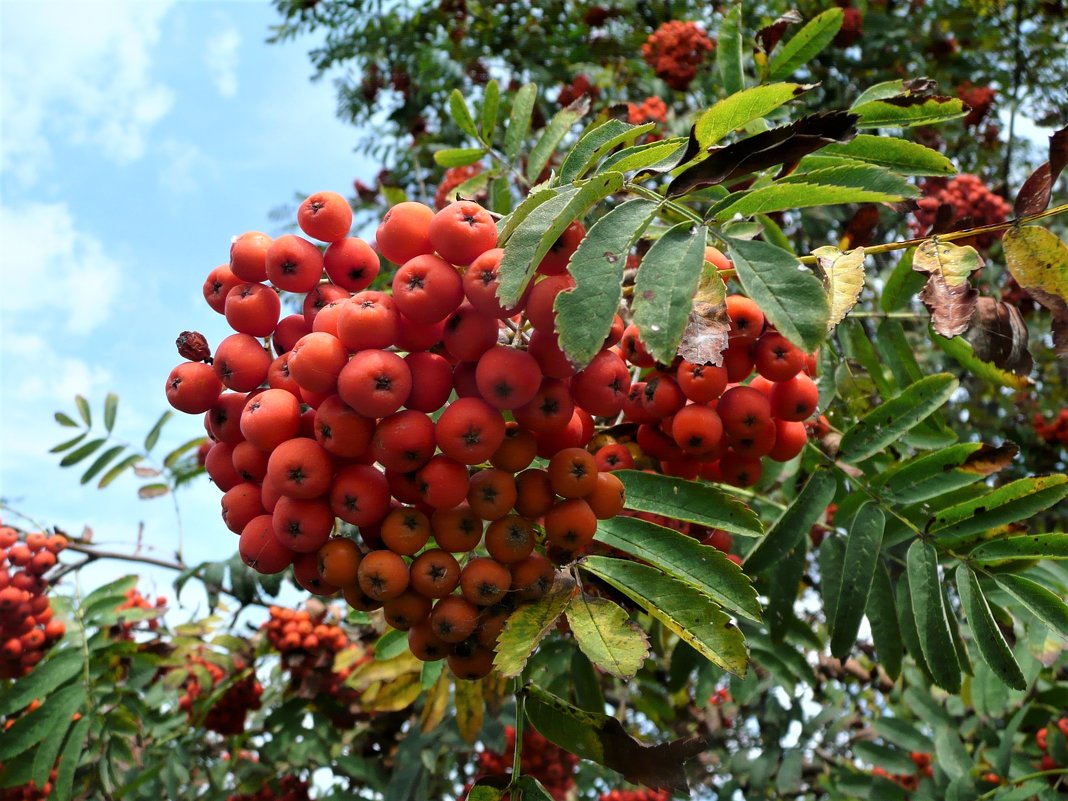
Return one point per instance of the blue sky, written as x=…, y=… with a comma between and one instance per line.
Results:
x=137, y=139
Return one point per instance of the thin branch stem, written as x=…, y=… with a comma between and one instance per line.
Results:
x=1025, y=778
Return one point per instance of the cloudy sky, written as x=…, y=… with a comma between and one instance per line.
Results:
x=138, y=138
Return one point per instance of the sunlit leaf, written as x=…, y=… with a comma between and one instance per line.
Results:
x=595, y=144
x=1038, y=260
x=740, y=108
x=552, y=133
x=816, y=34
x=470, y=709
x=461, y=114
x=528, y=625
x=605, y=633
x=1017, y=500
x=948, y=295
x=688, y=500
x=843, y=276
x=519, y=119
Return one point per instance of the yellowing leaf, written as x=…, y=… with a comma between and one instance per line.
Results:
x=1038, y=260
x=948, y=295
x=395, y=695
x=384, y=670
x=470, y=709
x=437, y=704
x=529, y=625
x=843, y=275
x=607, y=636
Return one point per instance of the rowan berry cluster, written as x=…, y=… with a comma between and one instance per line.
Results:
x=30, y=791
x=454, y=176
x=1052, y=431
x=286, y=788
x=675, y=50
x=227, y=715
x=643, y=794
x=1048, y=762
x=852, y=27
x=548, y=763
x=580, y=86
x=342, y=428
x=972, y=204
x=135, y=600
x=652, y=109
x=980, y=100
x=27, y=628
x=909, y=781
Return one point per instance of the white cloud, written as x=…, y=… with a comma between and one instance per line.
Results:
x=221, y=57
x=55, y=275
x=181, y=166
x=82, y=73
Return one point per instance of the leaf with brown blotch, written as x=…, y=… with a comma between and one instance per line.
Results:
x=1035, y=194
x=785, y=145
x=602, y=739
x=989, y=459
x=843, y=276
x=705, y=337
x=1038, y=260
x=948, y=295
x=770, y=35
x=998, y=334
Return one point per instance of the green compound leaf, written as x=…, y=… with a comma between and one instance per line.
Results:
x=858, y=569
x=553, y=133
x=42, y=682
x=1017, y=500
x=729, y=51
x=32, y=728
x=985, y=632
x=689, y=500
x=491, y=101
x=595, y=144
x=519, y=119
x=895, y=154
x=932, y=625
x=785, y=533
x=792, y=298
x=1047, y=606
x=605, y=633
x=805, y=44
x=655, y=156
x=458, y=156
x=535, y=235
x=907, y=111
x=585, y=312
x=930, y=475
x=665, y=286
x=461, y=114
x=690, y=614
x=743, y=107
x=528, y=626
x=781, y=196
x=703, y=567
x=891, y=420
x=1025, y=547
x=882, y=615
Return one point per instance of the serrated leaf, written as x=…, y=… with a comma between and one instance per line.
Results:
x=816, y=34
x=858, y=176
x=657, y=157
x=81, y=452
x=461, y=114
x=519, y=119
x=541, y=194
x=65, y=420
x=858, y=569
x=83, y=410
x=42, y=682
x=470, y=709
x=30, y=729
x=688, y=500
x=1017, y=500
x=831, y=556
x=68, y=763
x=595, y=144
x=843, y=276
x=458, y=156
x=153, y=435
x=1038, y=260
x=687, y=612
x=740, y=108
x=101, y=462
x=986, y=635
x=930, y=475
x=398, y=694
x=907, y=111
x=536, y=234
x=791, y=297
x=1047, y=606
x=111, y=406
x=881, y=91
x=806, y=509
x=962, y=352
x=1022, y=548
x=437, y=702
x=729, y=51
x=553, y=133
x=882, y=616
x=44, y=757
x=491, y=101
x=70, y=443
x=705, y=568
x=607, y=635
x=892, y=419
x=932, y=626
x=900, y=155
x=584, y=313
x=786, y=195
x=117, y=469
x=528, y=626
x=665, y=286
x=948, y=295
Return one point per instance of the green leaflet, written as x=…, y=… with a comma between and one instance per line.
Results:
x=519, y=120
x=605, y=633
x=907, y=111
x=986, y=635
x=883, y=618
x=805, y=44
x=551, y=135
x=782, y=196
x=693, y=501
x=729, y=50
x=932, y=626
x=743, y=107
x=900, y=155
x=858, y=569
x=957, y=525
x=806, y=509
x=1047, y=606
x=595, y=144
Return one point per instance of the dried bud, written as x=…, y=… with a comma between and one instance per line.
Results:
x=193, y=346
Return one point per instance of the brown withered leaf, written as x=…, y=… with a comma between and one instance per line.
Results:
x=990, y=459
x=785, y=145
x=920, y=87
x=948, y=295
x=998, y=334
x=770, y=35
x=1035, y=194
x=705, y=337
x=1038, y=260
